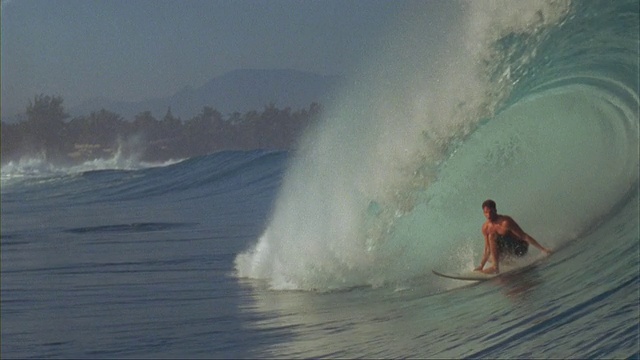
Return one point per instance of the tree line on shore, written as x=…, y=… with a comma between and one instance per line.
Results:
x=48, y=132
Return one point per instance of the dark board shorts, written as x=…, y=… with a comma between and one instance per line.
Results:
x=510, y=247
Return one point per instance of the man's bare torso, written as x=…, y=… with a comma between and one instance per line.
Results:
x=501, y=226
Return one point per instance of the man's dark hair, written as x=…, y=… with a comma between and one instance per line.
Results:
x=490, y=204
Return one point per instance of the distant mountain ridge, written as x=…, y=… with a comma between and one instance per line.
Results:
x=236, y=91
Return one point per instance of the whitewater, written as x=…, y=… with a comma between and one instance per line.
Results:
x=326, y=251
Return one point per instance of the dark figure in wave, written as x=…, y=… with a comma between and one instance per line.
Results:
x=503, y=237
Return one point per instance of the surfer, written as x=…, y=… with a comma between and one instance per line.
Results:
x=503, y=236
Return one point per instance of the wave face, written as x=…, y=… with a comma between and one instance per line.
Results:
x=532, y=104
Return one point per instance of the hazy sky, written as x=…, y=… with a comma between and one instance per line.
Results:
x=133, y=50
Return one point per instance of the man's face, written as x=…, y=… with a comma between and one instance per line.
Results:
x=489, y=213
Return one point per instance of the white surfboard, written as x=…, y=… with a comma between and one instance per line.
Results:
x=469, y=275
x=480, y=276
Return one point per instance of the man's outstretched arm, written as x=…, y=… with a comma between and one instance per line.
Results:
x=517, y=230
x=485, y=255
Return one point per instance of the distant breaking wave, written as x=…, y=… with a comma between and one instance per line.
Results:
x=30, y=167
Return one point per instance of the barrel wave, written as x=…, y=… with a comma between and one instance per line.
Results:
x=532, y=104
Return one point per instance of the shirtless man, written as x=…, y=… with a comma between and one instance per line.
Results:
x=503, y=236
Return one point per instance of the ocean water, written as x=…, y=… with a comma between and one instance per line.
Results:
x=327, y=251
